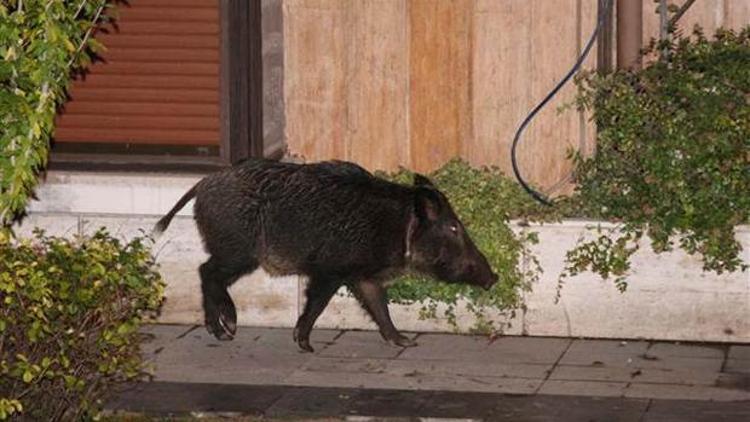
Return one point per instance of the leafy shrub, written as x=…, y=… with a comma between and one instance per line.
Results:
x=485, y=200
x=69, y=321
x=673, y=155
x=41, y=43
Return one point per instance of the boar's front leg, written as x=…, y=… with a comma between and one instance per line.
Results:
x=219, y=310
x=319, y=292
x=372, y=296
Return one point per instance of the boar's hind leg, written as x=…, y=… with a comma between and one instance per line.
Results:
x=319, y=292
x=373, y=298
x=220, y=313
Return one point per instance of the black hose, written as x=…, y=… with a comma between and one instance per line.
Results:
x=600, y=22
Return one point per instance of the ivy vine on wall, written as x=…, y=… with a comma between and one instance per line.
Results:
x=673, y=155
x=41, y=44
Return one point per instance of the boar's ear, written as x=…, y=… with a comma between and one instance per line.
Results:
x=427, y=205
x=420, y=180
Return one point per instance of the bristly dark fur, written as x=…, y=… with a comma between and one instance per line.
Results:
x=333, y=222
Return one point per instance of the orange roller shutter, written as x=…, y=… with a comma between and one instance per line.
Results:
x=158, y=83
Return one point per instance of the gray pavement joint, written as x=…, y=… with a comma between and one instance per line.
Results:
x=554, y=366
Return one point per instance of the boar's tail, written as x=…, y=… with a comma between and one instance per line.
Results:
x=162, y=224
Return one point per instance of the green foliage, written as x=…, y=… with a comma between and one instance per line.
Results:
x=69, y=321
x=485, y=201
x=41, y=43
x=673, y=155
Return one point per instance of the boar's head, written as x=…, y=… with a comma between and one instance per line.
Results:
x=438, y=242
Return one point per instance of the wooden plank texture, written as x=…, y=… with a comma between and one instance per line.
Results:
x=475, y=69
x=502, y=67
x=551, y=134
x=440, y=80
x=316, y=76
x=377, y=132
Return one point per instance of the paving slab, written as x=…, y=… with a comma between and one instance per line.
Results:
x=603, y=352
x=583, y=388
x=444, y=376
x=384, y=403
x=597, y=347
x=478, y=384
x=682, y=411
x=734, y=381
x=255, y=356
x=299, y=402
x=392, y=405
x=569, y=409
x=481, y=349
x=741, y=366
x=535, y=350
x=412, y=374
x=470, y=368
x=335, y=378
x=280, y=340
x=447, y=347
x=665, y=350
x=633, y=373
x=458, y=405
x=638, y=355
x=362, y=344
x=320, y=363
x=677, y=363
x=685, y=392
x=739, y=352
x=168, y=398
x=413, y=380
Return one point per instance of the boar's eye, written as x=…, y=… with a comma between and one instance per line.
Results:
x=453, y=228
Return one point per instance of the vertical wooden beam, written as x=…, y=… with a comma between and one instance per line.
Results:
x=241, y=80
x=255, y=78
x=440, y=57
x=377, y=92
x=629, y=33
x=316, y=48
x=604, y=39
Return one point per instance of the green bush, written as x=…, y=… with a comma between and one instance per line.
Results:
x=69, y=321
x=41, y=43
x=673, y=155
x=485, y=200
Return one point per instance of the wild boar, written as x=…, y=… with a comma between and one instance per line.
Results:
x=333, y=222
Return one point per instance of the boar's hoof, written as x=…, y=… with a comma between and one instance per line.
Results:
x=221, y=329
x=402, y=341
x=302, y=341
x=304, y=345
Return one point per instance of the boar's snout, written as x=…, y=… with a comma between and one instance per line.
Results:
x=491, y=281
x=481, y=274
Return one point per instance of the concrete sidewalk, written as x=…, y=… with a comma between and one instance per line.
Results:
x=529, y=371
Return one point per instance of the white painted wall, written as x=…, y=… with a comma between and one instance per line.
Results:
x=669, y=297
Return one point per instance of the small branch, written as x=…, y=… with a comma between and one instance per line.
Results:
x=684, y=8
x=88, y=33
x=80, y=7
x=663, y=29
